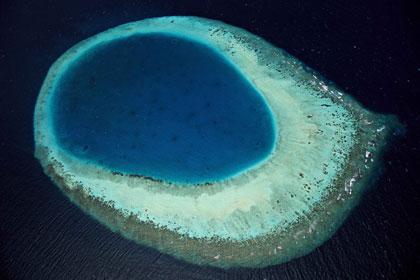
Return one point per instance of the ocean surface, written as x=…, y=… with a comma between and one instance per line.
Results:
x=368, y=48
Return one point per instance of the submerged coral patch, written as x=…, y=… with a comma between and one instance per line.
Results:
x=204, y=141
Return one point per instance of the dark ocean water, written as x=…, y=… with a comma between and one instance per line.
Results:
x=163, y=107
x=368, y=48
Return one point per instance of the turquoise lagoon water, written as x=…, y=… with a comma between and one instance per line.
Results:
x=164, y=107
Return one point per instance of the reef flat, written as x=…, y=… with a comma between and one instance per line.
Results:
x=283, y=206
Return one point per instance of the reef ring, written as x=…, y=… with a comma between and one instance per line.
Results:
x=282, y=209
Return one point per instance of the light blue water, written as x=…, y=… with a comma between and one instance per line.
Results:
x=164, y=107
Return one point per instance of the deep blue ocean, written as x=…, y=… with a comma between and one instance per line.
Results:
x=368, y=48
